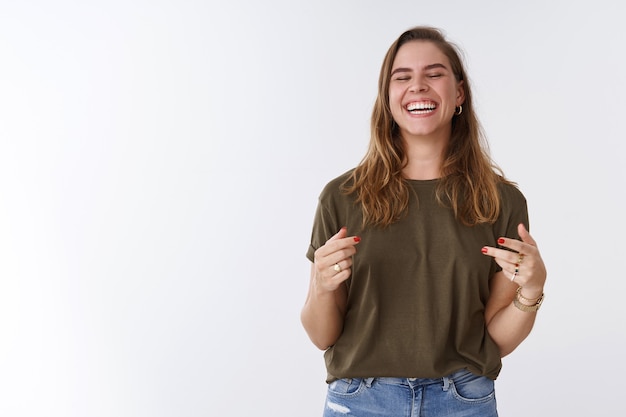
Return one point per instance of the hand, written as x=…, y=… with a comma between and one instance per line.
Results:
x=531, y=271
x=333, y=261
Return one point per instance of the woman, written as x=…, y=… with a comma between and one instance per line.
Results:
x=424, y=274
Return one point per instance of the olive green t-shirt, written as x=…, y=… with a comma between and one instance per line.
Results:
x=418, y=289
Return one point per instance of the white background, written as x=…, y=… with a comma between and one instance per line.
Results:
x=160, y=163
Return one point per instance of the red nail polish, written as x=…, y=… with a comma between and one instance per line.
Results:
x=501, y=241
x=357, y=239
x=484, y=250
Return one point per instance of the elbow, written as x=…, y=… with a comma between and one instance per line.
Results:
x=505, y=351
x=320, y=346
x=322, y=343
x=321, y=338
x=507, y=347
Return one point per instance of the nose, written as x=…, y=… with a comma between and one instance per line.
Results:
x=418, y=85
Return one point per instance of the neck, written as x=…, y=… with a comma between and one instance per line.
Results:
x=424, y=159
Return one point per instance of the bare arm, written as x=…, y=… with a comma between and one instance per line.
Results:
x=507, y=325
x=325, y=306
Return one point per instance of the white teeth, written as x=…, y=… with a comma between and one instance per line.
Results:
x=415, y=107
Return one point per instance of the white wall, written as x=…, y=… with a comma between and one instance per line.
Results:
x=160, y=163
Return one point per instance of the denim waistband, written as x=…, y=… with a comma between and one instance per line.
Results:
x=417, y=381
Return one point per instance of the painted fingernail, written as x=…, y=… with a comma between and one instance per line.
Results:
x=357, y=239
x=484, y=250
x=501, y=241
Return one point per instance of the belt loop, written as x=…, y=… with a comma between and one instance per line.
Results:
x=368, y=382
x=446, y=383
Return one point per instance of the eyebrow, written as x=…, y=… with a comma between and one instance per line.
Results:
x=426, y=68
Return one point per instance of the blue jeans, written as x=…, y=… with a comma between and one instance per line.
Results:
x=461, y=394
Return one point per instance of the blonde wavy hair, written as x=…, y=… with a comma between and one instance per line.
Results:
x=469, y=177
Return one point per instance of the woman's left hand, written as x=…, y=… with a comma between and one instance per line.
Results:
x=524, y=266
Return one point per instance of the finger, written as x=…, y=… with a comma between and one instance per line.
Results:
x=340, y=254
x=338, y=243
x=343, y=232
x=332, y=276
x=516, y=245
x=343, y=265
x=504, y=258
x=336, y=249
x=340, y=240
x=525, y=236
x=333, y=281
x=512, y=272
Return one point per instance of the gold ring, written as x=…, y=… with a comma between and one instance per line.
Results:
x=520, y=259
x=337, y=268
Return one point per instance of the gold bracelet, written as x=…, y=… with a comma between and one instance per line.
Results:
x=525, y=307
x=527, y=301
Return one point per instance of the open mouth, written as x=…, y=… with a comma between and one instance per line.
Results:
x=421, y=107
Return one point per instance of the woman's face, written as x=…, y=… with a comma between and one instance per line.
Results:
x=423, y=92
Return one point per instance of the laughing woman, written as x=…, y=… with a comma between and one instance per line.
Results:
x=423, y=272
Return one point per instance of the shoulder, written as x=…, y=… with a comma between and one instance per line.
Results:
x=510, y=193
x=335, y=209
x=514, y=209
x=334, y=187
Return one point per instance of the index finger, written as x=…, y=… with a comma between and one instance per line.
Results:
x=338, y=242
x=515, y=245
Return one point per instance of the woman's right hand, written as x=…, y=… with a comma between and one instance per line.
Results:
x=333, y=261
x=325, y=306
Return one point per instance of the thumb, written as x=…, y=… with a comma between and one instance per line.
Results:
x=524, y=235
x=343, y=232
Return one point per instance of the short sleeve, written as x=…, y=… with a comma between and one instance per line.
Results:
x=324, y=227
x=334, y=210
x=514, y=210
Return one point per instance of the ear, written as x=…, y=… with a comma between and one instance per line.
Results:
x=460, y=93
